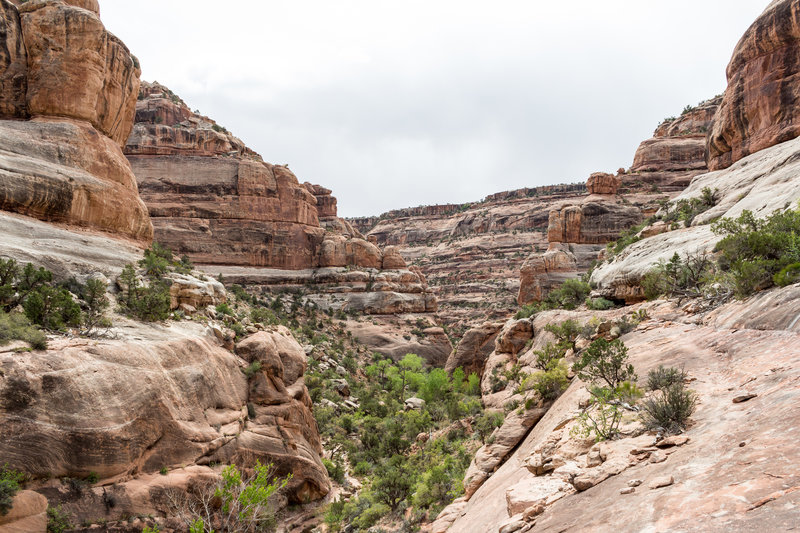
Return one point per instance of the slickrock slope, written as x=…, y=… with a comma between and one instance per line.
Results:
x=67, y=96
x=760, y=105
x=215, y=200
x=761, y=183
x=745, y=481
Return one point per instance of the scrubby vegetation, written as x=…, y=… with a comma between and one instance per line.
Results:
x=239, y=501
x=408, y=454
x=670, y=408
x=569, y=295
x=10, y=481
x=753, y=255
x=611, y=381
x=49, y=305
x=146, y=296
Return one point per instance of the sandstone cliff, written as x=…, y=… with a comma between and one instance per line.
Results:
x=67, y=96
x=215, y=200
x=760, y=105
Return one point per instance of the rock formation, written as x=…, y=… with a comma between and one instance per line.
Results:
x=181, y=400
x=760, y=105
x=213, y=199
x=67, y=96
x=676, y=153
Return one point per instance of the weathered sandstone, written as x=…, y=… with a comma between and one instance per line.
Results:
x=761, y=183
x=120, y=408
x=760, y=105
x=79, y=84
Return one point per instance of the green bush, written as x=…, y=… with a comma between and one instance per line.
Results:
x=569, y=295
x=52, y=308
x=58, y=520
x=599, y=304
x=664, y=377
x=684, y=277
x=335, y=470
x=753, y=251
x=548, y=356
x=669, y=409
x=150, y=302
x=686, y=210
x=96, y=302
x=16, y=326
x=10, y=480
x=566, y=333
x=551, y=383
x=601, y=417
x=788, y=275
x=605, y=362
x=17, y=283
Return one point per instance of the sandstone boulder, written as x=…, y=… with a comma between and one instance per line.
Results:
x=474, y=348
x=80, y=83
x=119, y=407
x=542, y=273
x=513, y=337
x=28, y=514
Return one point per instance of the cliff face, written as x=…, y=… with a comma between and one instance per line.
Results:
x=760, y=105
x=677, y=151
x=67, y=95
x=213, y=199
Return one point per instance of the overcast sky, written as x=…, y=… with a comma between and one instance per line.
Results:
x=404, y=103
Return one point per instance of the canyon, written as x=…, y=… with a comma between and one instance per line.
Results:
x=289, y=330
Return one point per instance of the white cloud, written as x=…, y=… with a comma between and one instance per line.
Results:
x=393, y=104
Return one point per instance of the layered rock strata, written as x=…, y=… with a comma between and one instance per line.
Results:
x=760, y=105
x=182, y=399
x=676, y=153
x=67, y=97
x=216, y=201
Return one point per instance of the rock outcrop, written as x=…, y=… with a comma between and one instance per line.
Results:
x=555, y=481
x=760, y=183
x=67, y=97
x=760, y=105
x=215, y=200
x=119, y=408
x=676, y=153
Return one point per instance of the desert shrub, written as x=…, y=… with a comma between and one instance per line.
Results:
x=393, y=481
x=16, y=282
x=527, y=311
x=96, y=302
x=625, y=239
x=548, y=356
x=224, y=309
x=599, y=304
x=16, y=326
x=58, y=520
x=252, y=369
x=157, y=261
x=149, y=302
x=551, y=383
x=687, y=209
x=606, y=363
x=52, y=308
x=685, y=276
x=239, y=501
x=571, y=294
x=669, y=409
x=602, y=417
x=664, y=377
x=335, y=470
x=787, y=276
x=10, y=481
x=566, y=333
x=486, y=423
x=753, y=251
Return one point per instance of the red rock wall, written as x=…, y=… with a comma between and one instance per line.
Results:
x=761, y=106
x=79, y=84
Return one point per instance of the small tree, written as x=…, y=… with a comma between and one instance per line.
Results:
x=235, y=503
x=605, y=362
x=393, y=482
x=669, y=409
x=94, y=296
